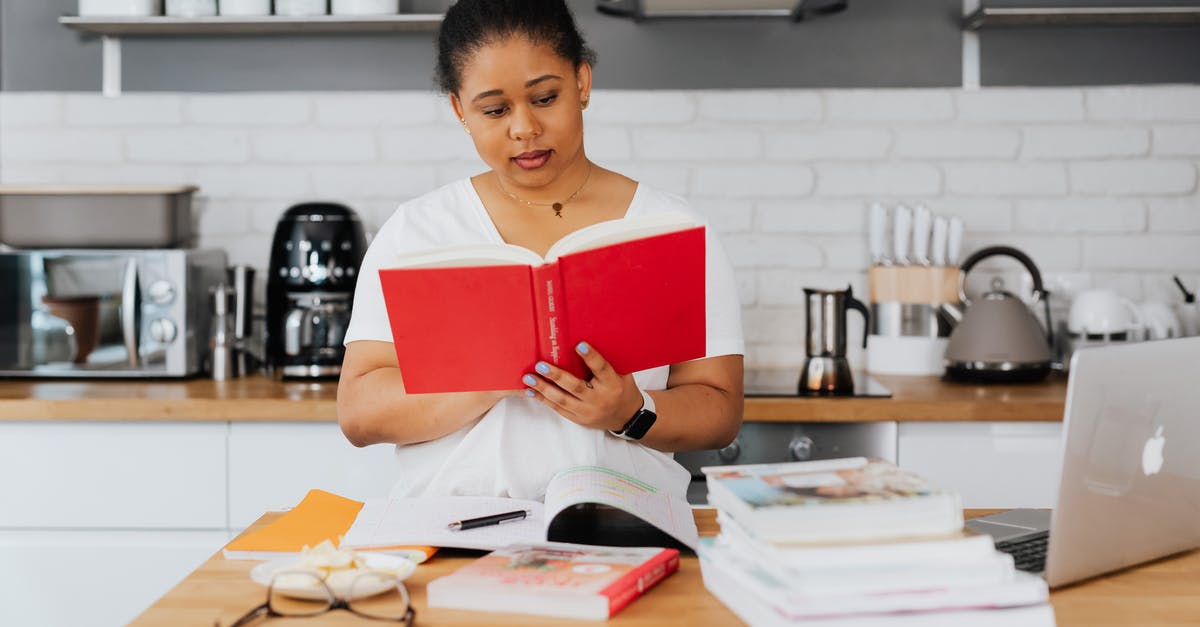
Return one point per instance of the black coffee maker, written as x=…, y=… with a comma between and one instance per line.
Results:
x=315, y=257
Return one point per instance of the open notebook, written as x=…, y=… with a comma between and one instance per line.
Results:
x=584, y=505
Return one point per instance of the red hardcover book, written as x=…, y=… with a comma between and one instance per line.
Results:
x=479, y=317
x=563, y=580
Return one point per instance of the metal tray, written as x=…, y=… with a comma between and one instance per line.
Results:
x=61, y=216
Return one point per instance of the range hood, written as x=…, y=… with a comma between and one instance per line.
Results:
x=792, y=9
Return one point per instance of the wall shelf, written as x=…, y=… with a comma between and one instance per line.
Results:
x=112, y=29
x=265, y=25
x=983, y=17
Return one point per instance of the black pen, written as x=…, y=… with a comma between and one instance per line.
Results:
x=483, y=521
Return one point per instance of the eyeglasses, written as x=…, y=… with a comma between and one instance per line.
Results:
x=298, y=594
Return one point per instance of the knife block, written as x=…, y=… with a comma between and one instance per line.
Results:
x=914, y=285
x=908, y=333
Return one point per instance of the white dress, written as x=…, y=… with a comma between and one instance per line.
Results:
x=519, y=444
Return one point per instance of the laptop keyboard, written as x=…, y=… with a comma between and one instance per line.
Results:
x=1029, y=553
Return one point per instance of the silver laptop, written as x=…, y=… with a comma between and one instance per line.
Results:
x=1129, y=490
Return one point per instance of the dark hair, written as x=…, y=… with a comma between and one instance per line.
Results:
x=471, y=24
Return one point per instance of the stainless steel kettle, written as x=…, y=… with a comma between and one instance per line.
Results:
x=997, y=338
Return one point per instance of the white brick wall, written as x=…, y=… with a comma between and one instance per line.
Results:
x=695, y=144
x=1021, y=105
x=818, y=143
x=187, y=145
x=949, y=142
x=759, y=106
x=1133, y=177
x=314, y=146
x=1098, y=185
x=891, y=105
x=1073, y=142
x=1177, y=140
x=1006, y=179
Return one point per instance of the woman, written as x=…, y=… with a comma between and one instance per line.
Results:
x=519, y=77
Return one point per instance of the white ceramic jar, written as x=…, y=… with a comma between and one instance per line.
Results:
x=244, y=8
x=365, y=7
x=120, y=8
x=191, y=8
x=301, y=8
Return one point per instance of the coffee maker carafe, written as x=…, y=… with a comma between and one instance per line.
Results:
x=315, y=258
x=827, y=371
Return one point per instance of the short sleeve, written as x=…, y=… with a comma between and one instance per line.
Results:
x=368, y=317
x=724, y=309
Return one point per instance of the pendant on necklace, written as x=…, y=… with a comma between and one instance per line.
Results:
x=557, y=207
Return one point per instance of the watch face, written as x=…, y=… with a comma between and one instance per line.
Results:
x=640, y=424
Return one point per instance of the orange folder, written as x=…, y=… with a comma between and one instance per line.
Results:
x=320, y=516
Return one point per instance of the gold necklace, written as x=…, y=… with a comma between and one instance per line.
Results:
x=557, y=206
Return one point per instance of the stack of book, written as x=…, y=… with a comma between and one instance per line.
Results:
x=856, y=542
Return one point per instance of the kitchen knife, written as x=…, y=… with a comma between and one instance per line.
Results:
x=937, y=254
x=920, y=236
x=954, y=241
x=902, y=235
x=877, y=236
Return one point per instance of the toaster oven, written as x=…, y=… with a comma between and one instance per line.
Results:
x=106, y=313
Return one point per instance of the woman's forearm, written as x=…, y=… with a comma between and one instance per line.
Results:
x=694, y=416
x=373, y=408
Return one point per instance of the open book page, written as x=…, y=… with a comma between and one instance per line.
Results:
x=614, y=231
x=592, y=484
x=424, y=520
x=587, y=238
x=469, y=255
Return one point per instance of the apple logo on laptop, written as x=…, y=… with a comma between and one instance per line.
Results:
x=1152, y=453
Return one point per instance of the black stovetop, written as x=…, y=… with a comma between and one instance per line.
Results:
x=776, y=383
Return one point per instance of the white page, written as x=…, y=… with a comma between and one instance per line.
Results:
x=422, y=521
x=469, y=255
x=613, y=231
x=591, y=484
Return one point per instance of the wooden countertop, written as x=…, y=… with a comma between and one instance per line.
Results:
x=259, y=398
x=1160, y=593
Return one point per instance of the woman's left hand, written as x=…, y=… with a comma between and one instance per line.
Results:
x=606, y=401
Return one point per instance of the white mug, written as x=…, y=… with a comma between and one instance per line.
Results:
x=244, y=7
x=1189, y=317
x=365, y=7
x=191, y=8
x=301, y=8
x=1159, y=321
x=1102, y=312
x=120, y=8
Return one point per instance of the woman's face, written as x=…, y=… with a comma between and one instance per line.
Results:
x=523, y=105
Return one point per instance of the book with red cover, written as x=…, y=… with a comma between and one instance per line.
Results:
x=479, y=317
x=563, y=580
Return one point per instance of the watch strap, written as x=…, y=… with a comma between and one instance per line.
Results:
x=637, y=426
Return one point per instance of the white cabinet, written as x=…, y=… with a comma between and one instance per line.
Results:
x=112, y=475
x=991, y=464
x=98, y=519
x=93, y=578
x=273, y=465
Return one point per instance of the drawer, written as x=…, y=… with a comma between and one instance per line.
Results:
x=991, y=464
x=112, y=475
x=273, y=465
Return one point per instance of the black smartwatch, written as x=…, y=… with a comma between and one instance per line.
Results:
x=641, y=422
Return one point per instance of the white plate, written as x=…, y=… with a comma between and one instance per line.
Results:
x=396, y=566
